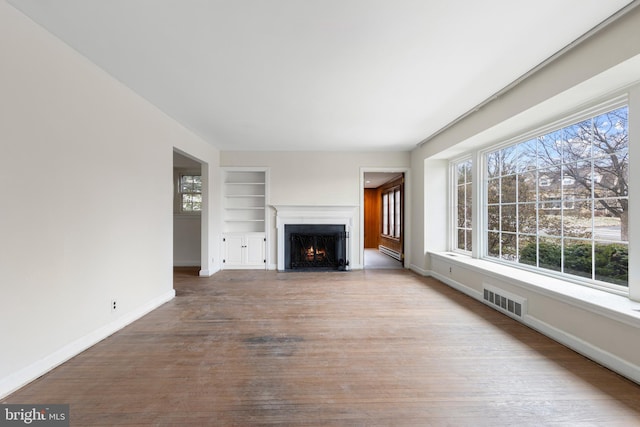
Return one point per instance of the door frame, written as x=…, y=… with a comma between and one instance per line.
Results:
x=406, y=214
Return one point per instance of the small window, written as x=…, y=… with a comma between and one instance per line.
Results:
x=595, y=177
x=190, y=193
x=545, y=181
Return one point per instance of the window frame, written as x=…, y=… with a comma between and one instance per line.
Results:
x=454, y=187
x=180, y=193
x=391, y=199
x=482, y=237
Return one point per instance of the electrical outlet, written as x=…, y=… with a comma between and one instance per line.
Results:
x=114, y=305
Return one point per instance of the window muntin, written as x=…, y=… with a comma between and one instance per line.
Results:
x=463, y=205
x=190, y=190
x=560, y=201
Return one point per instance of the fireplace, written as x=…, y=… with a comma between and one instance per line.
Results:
x=321, y=235
x=315, y=247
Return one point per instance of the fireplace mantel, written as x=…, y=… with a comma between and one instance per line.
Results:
x=296, y=214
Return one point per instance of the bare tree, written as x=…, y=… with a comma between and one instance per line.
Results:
x=605, y=140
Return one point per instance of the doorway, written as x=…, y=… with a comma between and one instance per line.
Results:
x=383, y=218
x=187, y=211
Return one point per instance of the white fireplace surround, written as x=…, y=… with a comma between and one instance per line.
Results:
x=288, y=214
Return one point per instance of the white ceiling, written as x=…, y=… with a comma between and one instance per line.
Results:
x=317, y=74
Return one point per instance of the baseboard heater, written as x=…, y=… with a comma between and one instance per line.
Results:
x=501, y=300
x=392, y=253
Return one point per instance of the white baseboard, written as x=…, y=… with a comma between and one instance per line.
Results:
x=458, y=286
x=588, y=350
x=419, y=270
x=23, y=377
x=186, y=263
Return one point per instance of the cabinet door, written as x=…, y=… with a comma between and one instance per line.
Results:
x=233, y=250
x=255, y=247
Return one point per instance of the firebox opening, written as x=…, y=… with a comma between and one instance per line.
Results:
x=315, y=247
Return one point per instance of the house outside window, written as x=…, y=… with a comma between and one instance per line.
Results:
x=558, y=202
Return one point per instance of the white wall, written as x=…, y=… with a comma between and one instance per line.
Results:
x=86, y=205
x=186, y=240
x=316, y=179
x=603, y=326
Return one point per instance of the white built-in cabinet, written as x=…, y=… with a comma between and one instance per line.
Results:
x=244, y=219
x=244, y=250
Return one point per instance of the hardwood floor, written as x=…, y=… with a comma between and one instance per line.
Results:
x=359, y=348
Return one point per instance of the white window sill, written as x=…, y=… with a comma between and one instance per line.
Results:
x=617, y=307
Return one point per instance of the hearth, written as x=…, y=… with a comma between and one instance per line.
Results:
x=315, y=247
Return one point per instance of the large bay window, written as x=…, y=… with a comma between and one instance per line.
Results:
x=555, y=201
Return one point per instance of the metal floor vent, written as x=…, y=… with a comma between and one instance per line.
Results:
x=501, y=300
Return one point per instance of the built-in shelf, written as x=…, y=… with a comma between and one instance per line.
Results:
x=244, y=200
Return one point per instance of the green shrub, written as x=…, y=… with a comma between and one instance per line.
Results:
x=612, y=260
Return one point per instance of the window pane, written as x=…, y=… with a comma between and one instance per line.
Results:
x=610, y=133
x=508, y=189
x=385, y=214
x=493, y=218
x=197, y=202
x=508, y=160
x=197, y=184
x=509, y=251
x=549, y=220
x=468, y=205
x=575, y=179
x=493, y=191
x=528, y=250
x=549, y=149
x=612, y=262
x=549, y=183
x=527, y=220
x=577, y=258
x=397, y=216
x=527, y=156
x=509, y=217
x=461, y=215
x=469, y=246
x=550, y=253
x=610, y=220
x=461, y=173
x=577, y=221
x=493, y=164
x=577, y=141
x=527, y=188
x=493, y=244
x=461, y=239
x=392, y=215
